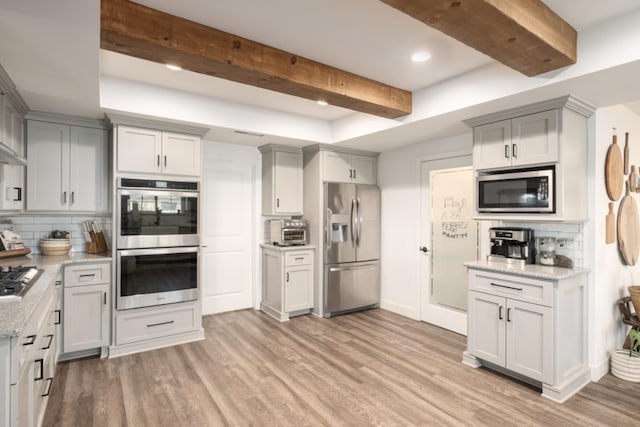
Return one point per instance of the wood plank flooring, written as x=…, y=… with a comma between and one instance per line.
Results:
x=367, y=368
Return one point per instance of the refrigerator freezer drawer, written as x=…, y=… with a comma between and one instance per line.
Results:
x=351, y=286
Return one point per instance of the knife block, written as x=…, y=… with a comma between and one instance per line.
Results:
x=98, y=244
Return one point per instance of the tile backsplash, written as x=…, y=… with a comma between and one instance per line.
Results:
x=32, y=228
x=572, y=231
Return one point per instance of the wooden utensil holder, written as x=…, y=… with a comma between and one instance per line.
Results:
x=98, y=244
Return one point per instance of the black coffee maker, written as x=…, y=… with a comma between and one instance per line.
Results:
x=512, y=244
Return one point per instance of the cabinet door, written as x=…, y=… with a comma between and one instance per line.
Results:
x=181, y=154
x=492, y=145
x=22, y=396
x=337, y=167
x=486, y=335
x=139, y=150
x=530, y=340
x=364, y=169
x=535, y=138
x=88, y=175
x=47, y=168
x=86, y=317
x=297, y=288
x=288, y=183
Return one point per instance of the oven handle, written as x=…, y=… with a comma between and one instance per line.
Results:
x=172, y=193
x=157, y=251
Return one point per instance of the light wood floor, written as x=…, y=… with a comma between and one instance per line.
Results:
x=368, y=368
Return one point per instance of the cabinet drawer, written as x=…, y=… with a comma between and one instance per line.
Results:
x=137, y=327
x=90, y=274
x=298, y=258
x=514, y=287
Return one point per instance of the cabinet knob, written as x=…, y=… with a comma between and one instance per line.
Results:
x=424, y=249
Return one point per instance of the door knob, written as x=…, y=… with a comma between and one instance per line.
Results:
x=424, y=249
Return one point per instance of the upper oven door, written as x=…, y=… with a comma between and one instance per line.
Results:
x=156, y=218
x=530, y=191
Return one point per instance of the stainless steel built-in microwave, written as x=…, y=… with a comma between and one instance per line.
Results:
x=517, y=191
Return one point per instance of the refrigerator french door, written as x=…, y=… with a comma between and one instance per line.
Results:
x=351, y=247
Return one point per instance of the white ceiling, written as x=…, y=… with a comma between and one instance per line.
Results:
x=51, y=51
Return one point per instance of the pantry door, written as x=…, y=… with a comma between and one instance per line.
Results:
x=228, y=227
x=449, y=237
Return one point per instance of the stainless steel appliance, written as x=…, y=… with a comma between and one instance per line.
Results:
x=287, y=232
x=154, y=213
x=512, y=244
x=147, y=277
x=16, y=281
x=351, y=247
x=517, y=191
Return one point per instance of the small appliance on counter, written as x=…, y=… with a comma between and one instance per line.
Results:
x=287, y=232
x=512, y=245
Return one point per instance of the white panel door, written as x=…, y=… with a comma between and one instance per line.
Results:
x=337, y=167
x=486, y=338
x=535, y=138
x=88, y=175
x=492, y=145
x=288, y=182
x=86, y=317
x=228, y=209
x=365, y=169
x=139, y=150
x=181, y=154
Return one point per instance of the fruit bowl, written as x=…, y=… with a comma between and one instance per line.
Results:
x=55, y=246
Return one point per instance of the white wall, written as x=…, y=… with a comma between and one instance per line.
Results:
x=610, y=277
x=398, y=178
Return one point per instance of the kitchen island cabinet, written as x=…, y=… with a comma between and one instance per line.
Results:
x=287, y=280
x=530, y=323
x=67, y=167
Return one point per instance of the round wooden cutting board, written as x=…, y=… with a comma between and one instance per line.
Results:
x=613, y=176
x=628, y=228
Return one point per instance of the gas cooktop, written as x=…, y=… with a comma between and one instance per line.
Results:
x=16, y=281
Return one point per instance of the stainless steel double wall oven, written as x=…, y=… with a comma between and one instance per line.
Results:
x=156, y=241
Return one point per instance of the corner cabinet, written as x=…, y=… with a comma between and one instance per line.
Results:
x=533, y=327
x=149, y=151
x=281, y=180
x=87, y=307
x=67, y=167
x=553, y=132
x=287, y=280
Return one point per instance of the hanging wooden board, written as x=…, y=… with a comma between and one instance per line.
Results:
x=610, y=226
x=613, y=166
x=628, y=229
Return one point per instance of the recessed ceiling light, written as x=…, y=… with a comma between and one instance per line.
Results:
x=174, y=67
x=322, y=103
x=421, y=57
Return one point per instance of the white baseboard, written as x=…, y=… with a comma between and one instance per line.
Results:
x=153, y=344
x=599, y=369
x=400, y=309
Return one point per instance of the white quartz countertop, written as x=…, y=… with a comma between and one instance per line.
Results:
x=14, y=315
x=286, y=248
x=530, y=270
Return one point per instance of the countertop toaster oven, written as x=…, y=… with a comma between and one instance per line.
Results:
x=287, y=232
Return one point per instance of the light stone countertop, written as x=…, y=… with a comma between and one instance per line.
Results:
x=530, y=270
x=14, y=315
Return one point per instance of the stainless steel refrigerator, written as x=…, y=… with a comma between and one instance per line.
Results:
x=351, y=247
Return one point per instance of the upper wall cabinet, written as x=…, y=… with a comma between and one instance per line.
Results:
x=349, y=167
x=522, y=141
x=68, y=167
x=553, y=132
x=151, y=151
x=281, y=180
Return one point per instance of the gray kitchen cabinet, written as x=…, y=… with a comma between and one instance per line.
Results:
x=552, y=132
x=150, y=151
x=12, y=111
x=530, y=326
x=28, y=364
x=67, y=167
x=282, y=180
x=349, y=167
x=287, y=280
x=87, y=312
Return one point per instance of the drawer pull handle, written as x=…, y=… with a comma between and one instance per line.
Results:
x=151, y=325
x=58, y=282
x=48, y=346
x=40, y=374
x=59, y=319
x=31, y=339
x=49, y=385
x=506, y=287
x=500, y=313
x=299, y=258
x=88, y=275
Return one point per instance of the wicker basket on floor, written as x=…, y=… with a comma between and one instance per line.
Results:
x=634, y=291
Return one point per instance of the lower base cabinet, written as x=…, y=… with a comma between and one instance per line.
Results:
x=287, y=280
x=530, y=327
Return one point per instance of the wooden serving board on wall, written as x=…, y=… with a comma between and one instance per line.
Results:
x=628, y=229
x=613, y=171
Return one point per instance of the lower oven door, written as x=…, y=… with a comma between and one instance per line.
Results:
x=147, y=277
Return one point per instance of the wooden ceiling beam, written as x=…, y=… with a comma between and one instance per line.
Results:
x=132, y=29
x=525, y=35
